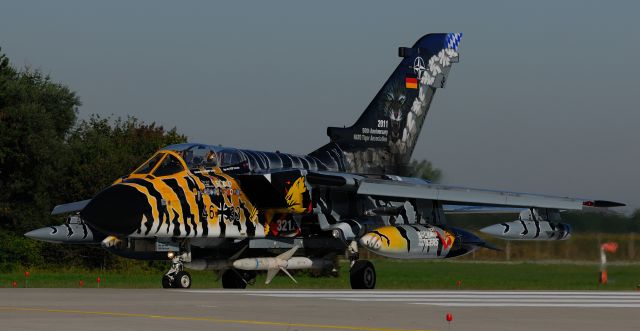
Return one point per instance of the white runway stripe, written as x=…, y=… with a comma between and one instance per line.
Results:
x=454, y=298
x=412, y=300
x=396, y=297
x=405, y=292
x=545, y=305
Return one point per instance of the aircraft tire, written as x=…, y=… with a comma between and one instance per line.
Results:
x=233, y=279
x=182, y=280
x=166, y=282
x=363, y=275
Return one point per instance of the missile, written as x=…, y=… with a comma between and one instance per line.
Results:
x=417, y=241
x=529, y=230
x=266, y=263
x=282, y=262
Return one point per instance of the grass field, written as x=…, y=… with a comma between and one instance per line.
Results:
x=391, y=275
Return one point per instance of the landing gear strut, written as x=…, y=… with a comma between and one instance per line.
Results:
x=176, y=277
x=362, y=274
x=238, y=279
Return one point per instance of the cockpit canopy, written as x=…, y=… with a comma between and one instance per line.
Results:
x=194, y=156
x=176, y=158
x=200, y=155
x=161, y=164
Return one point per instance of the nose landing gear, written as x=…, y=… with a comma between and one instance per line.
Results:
x=362, y=274
x=176, y=277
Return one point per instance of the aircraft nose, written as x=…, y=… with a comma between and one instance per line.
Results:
x=117, y=210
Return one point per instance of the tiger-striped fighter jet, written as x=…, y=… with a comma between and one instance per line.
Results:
x=240, y=211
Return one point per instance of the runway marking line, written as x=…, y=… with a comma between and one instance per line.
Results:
x=204, y=319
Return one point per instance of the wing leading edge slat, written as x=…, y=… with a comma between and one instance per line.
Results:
x=467, y=196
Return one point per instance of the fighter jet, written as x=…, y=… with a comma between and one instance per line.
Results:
x=239, y=211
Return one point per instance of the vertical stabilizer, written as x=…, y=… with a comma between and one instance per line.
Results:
x=383, y=138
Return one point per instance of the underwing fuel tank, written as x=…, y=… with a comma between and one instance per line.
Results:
x=420, y=242
x=529, y=230
x=74, y=231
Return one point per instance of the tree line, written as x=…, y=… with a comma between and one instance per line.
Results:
x=48, y=156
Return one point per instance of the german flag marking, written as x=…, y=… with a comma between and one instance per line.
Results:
x=411, y=82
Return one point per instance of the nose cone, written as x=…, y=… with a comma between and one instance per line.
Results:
x=117, y=210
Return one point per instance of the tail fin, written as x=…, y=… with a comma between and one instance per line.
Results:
x=383, y=138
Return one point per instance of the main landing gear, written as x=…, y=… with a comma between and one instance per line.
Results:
x=362, y=274
x=238, y=279
x=176, y=277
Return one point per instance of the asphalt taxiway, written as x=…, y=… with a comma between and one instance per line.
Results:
x=127, y=309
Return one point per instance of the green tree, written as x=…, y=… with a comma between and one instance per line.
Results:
x=35, y=115
x=425, y=170
x=47, y=158
x=101, y=150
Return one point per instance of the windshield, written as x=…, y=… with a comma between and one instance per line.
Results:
x=149, y=165
x=169, y=166
x=196, y=155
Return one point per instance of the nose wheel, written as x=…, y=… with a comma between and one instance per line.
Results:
x=180, y=280
x=183, y=280
x=176, y=277
x=362, y=275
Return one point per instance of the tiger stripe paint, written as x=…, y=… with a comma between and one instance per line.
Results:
x=203, y=203
x=154, y=211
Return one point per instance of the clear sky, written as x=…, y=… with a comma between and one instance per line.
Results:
x=544, y=99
